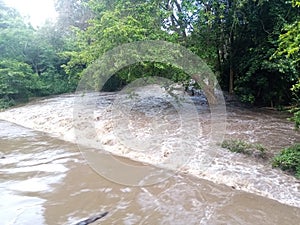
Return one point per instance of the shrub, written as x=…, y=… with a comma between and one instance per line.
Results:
x=6, y=103
x=289, y=160
x=296, y=116
x=240, y=146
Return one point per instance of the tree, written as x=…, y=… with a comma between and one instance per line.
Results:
x=15, y=74
x=245, y=35
x=252, y=46
x=288, y=49
x=124, y=22
x=72, y=13
x=30, y=61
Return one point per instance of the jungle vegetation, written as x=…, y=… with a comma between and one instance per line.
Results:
x=251, y=45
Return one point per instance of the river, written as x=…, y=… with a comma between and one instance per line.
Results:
x=46, y=180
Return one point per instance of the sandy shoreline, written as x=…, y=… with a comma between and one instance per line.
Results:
x=55, y=117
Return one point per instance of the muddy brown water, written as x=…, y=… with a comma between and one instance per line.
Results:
x=46, y=181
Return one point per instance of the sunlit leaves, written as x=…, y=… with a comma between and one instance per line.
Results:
x=125, y=22
x=296, y=3
x=289, y=42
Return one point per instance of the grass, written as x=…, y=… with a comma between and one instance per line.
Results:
x=240, y=146
x=287, y=160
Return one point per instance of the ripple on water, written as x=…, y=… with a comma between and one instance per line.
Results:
x=77, y=192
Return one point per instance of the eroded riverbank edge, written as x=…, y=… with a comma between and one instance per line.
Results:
x=54, y=116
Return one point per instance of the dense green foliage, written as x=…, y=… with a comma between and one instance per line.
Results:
x=289, y=160
x=240, y=40
x=252, y=45
x=119, y=23
x=31, y=59
x=289, y=47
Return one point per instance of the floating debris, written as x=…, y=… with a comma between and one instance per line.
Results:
x=92, y=219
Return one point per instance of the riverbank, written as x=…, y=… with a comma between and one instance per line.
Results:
x=55, y=117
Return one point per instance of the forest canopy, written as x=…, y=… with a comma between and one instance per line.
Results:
x=251, y=45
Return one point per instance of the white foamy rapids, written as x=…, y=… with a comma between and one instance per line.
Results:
x=150, y=128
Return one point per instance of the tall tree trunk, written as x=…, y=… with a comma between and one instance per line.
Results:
x=231, y=79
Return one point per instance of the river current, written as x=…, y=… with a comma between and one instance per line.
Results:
x=45, y=178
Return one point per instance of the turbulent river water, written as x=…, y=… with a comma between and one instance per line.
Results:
x=45, y=178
